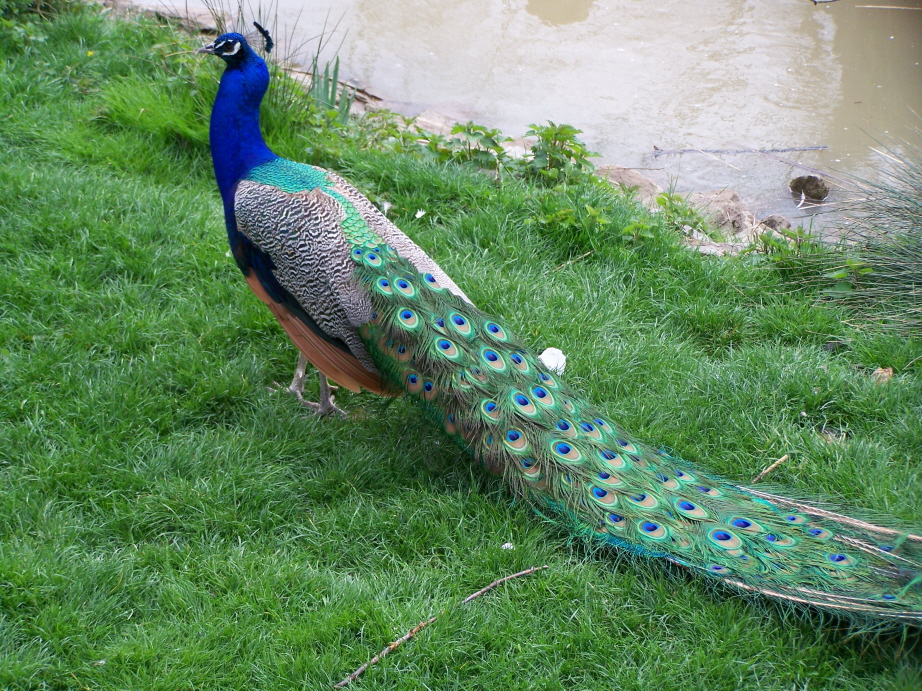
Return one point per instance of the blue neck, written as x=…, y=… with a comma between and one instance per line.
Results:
x=237, y=144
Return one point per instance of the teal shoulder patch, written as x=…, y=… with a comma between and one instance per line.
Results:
x=288, y=176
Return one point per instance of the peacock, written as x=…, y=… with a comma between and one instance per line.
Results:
x=371, y=310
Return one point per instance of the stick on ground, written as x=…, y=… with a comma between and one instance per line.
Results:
x=423, y=624
x=770, y=468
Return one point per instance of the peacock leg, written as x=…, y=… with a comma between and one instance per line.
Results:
x=325, y=406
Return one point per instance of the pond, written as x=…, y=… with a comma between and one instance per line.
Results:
x=634, y=74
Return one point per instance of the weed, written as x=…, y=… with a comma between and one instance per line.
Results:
x=326, y=93
x=557, y=155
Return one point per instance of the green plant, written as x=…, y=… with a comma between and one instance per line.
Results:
x=20, y=23
x=637, y=231
x=679, y=215
x=557, y=155
x=885, y=229
x=326, y=93
x=849, y=278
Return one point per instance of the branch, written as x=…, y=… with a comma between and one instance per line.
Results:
x=423, y=624
x=670, y=152
x=770, y=468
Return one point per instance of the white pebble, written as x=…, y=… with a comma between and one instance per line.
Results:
x=554, y=360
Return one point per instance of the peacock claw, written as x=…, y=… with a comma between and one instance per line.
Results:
x=325, y=406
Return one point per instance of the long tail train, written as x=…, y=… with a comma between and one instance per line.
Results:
x=474, y=377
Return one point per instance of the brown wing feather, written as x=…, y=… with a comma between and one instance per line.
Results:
x=336, y=364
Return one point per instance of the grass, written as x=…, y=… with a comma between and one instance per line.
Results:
x=166, y=522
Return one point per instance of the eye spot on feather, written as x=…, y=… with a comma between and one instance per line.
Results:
x=516, y=440
x=409, y=319
x=627, y=446
x=495, y=331
x=710, y=491
x=403, y=353
x=724, y=539
x=460, y=324
x=690, y=509
x=565, y=452
x=524, y=404
x=447, y=349
x=490, y=410
x=644, y=500
x=547, y=380
x=780, y=540
x=603, y=496
x=414, y=383
x=493, y=359
x=531, y=469
x=841, y=560
x=384, y=286
x=652, y=530
x=404, y=286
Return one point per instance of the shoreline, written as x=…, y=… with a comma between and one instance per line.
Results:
x=739, y=227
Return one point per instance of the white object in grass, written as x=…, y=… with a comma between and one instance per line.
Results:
x=554, y=360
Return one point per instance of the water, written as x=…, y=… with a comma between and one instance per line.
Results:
x=724, y=74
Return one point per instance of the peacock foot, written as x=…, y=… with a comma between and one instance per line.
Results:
x=325, y=406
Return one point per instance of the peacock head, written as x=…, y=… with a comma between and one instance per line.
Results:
x=233, y=48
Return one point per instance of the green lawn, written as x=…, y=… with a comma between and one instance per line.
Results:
x=167, y=522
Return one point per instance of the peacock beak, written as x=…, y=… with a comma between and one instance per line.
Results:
x=209, y=49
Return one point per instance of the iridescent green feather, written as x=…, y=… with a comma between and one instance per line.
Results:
x=499, y=401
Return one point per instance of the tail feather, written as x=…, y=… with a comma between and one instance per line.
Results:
x=508, y=410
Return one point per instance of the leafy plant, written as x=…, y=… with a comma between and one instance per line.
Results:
x=637, y=231
x=848, y=277
x=680, y=215
x=557, y=155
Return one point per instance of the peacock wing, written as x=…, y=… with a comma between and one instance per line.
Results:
x=301, y=234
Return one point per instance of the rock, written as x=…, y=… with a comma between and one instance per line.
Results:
x=776, y=221
x=810, y=186
x=725, y=210
x=437, y=123
x=519, y=147
x=703, y=245
x=628, y=179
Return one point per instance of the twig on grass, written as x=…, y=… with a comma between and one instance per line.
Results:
x=576, y=259
x=770, y=468
x=423, y=624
